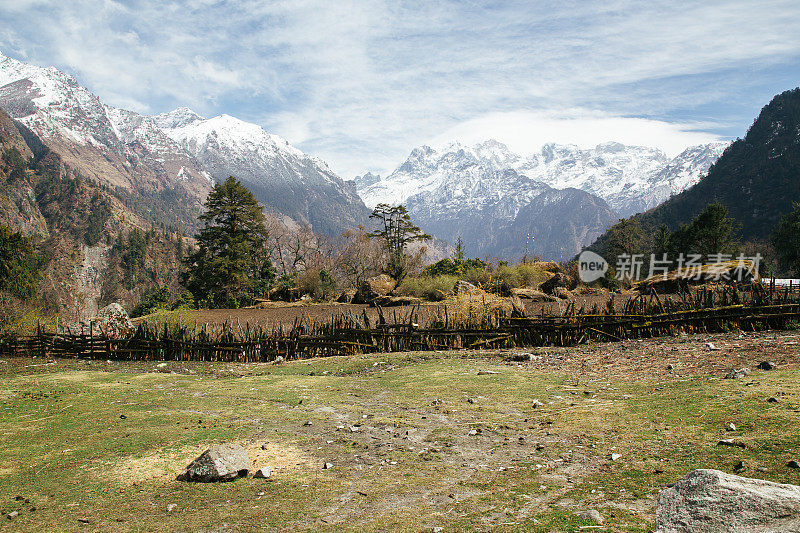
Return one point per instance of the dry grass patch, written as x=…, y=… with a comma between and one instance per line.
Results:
x=164, y=465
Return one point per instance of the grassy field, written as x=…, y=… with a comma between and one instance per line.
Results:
x=418, y=441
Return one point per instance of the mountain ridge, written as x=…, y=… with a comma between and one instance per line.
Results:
x=630, y=178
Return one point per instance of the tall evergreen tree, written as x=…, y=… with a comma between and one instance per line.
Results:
x=230, y=259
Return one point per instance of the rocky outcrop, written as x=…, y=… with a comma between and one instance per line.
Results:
x=711, y=501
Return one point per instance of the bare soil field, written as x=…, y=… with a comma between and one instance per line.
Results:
x=513, y=440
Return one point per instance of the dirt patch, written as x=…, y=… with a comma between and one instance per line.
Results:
x=164, y=465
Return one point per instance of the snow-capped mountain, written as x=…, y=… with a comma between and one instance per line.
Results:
x=497, y=211
x=629, y=178
x=115, y=147
x=166, y=164
x=280, y=176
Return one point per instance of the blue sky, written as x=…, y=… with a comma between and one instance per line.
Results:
x=360, y=83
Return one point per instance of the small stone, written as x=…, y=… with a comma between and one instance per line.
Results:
x=470, y=400
x=766, y=365
x=731, y=427
x=159, y=365
x=278, y=360
x=263, y=472
x=171, y=507
x=264, y=447
x=772, y=400
x=711, y=346
x=793, y=464
x=615, y=456
x=739, y=466
x=592, y=515
x=473, y=432
x=670, y=367
x=13, y=514
x=355, y=429
x=307, y=423
x=486, y=372
x=123, y=417
x=736, y=374
x=731, y=442
x=327, y=466
x=537, y=404
x=84, y=521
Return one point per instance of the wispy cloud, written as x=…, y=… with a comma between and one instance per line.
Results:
x=360, y=83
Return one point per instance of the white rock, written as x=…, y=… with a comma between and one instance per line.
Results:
x=706, y=501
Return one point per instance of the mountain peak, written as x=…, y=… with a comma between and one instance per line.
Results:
x=177, y=118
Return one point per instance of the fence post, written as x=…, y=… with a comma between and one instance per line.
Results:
x=91, y=341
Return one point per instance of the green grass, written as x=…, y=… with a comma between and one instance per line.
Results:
x=68, y=451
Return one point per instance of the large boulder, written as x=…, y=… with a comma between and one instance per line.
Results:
x=559, y=279
x=113, y=322
x=284, y=293
x=224, y=462
x=464, y=287
x=373, y=288
x=710, y=501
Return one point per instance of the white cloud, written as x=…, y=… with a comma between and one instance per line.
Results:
x=526, y=132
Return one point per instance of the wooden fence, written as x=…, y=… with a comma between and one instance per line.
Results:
x=641, y=317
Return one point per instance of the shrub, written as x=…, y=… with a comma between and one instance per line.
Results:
x=480, y=277
x=438, y=288
x=317, y=283
x=152, y=301
x=411, y=286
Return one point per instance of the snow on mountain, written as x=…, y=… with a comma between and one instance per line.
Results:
x=473, y=194
x=495, y=198
x=629, y=178
x=282, y=177
x=114, y=146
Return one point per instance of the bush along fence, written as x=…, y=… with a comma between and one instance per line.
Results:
x=640, y=317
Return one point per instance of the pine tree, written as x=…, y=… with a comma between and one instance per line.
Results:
x=230, y=259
